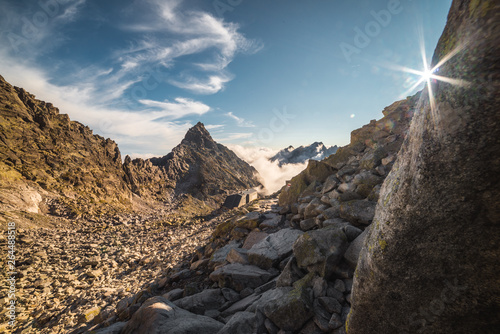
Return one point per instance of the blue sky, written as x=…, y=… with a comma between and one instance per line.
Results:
x=257, y=73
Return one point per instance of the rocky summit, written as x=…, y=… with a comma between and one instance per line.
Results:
x=198, y=167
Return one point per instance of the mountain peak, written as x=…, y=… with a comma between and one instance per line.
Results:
x=198, y=135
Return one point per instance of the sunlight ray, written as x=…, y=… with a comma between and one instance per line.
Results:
x=456, y=82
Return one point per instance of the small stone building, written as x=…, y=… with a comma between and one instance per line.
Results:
x=240, y=199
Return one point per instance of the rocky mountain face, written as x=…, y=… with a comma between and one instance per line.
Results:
x=291, y=155
x=52, y=165
x=198, y=167
x=430, y=261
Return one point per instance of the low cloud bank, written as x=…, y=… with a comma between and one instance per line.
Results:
x=273, y=176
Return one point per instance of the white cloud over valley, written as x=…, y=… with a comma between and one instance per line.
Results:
x=273, y=176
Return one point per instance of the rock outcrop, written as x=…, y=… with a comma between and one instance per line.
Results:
x=50, y=164
x=430, y=263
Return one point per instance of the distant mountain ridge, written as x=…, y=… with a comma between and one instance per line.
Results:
x=315, y=151
x=49, y=164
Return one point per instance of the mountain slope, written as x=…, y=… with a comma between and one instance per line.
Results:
x=49, y=164
x=45, y=155
x=291, y=155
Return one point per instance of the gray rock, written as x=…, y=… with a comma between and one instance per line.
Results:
x=319, y=286
x=346, y=187
x=352, y=254
x=321, y=316
x=174, y=294
x=351, y=232
x=220, y=256
x=330, y=304
x=251, y=220
x=339, y=285
x=241, y=305
x=237, y=255
x=254, y=238
x=211, y=299
x=291, y=311
x=320, y=250
x=238, y=276
x=333, y=212
x=335, y=321
x=159, y=315
x=271, y=327
x=334, y=293
x=274, y=248
x=308, y=224
x=438, y=216
x=310, y=209
x=310, y=328
x=335, y=223
x=358, y=212
x=290, y=274
x=230, y=295
x=271, y=223
x=331, y=183
x=244, y=323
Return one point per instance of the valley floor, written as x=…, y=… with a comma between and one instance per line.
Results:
x=69, y=275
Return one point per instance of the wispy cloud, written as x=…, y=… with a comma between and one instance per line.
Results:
x=214, y=126
x=210, y=85
x=114, y=95
x=34, y=31
x=173, y=33
x=241, y=122
x=230, y=137
x=180, y=108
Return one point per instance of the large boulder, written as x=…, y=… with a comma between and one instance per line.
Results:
x=291, y=310
x=430, y=263
x=158, y=315
x=358, y=212
x=274, y=248
x=321, y=250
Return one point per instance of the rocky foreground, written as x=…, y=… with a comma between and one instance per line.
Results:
x=76, y=272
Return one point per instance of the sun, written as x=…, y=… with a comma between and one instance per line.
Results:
x=427, y=75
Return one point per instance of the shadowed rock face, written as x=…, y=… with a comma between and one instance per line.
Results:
x=430, y=263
